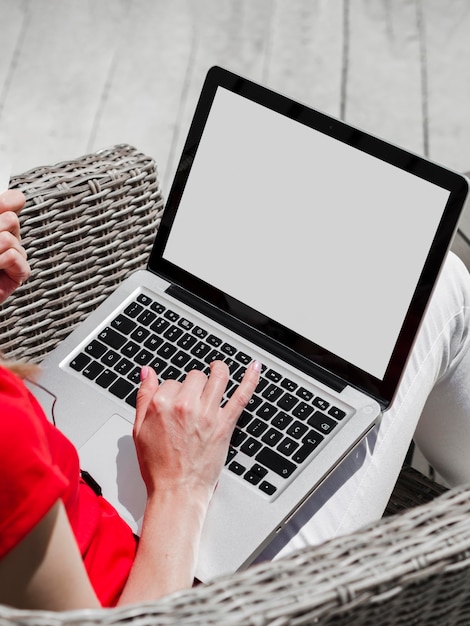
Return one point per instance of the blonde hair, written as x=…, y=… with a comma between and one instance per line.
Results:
x=22, y=369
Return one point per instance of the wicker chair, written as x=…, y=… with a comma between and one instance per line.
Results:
x=89, y=222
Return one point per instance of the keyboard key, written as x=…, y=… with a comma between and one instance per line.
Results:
x=256, y=427
x=304, y=394
x=297, y=430
x=320, y=403
x=171, y=315
x=322, y=423
x=132, y=398
x=289, y=385
x=199, y=332
x=159, y=325
x=282, y=420
x=96, y=349
x=236, y=468
x=228, y=349
x=214, y=355
x=157, y=307
x=146, y=317
x=238, y=437
x=110, y=358
x=302, y=410
x=275, y=377
x=187, y=341
x=133, y=309
x=172, y=373
x=287, y=402
x=153, y=342
x=200, y=350
x=251, y=446
x=144, y=357
x=287, y=446
x=140, y=334
x=106, y=378
x=166, y=351
x=173, y=333
x=144, y=299
x=272, y=393
x=185, y=324
x=310, y=442
x=336, y=413
x=92, y=370
x=121, y=388
x=194, y=364
x=123, y=324
x=276, y=462
x=158, y=364
x=112, y=338
x=123, y=367
x=180, y=359
x=243, y=358
x=266, y=411
x=214, y=341
x=130, y=349
x=79, y=362
x=272, y=437
x=267, y=488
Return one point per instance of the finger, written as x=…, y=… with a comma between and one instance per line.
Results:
x=216, y=384
x=148, y=388
x=12, y=200
x=14, y=264
x=10, y=223
x=243, y=393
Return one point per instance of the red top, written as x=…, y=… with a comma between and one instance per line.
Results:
x=39, y=465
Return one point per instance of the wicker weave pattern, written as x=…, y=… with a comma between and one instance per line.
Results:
x=410, y=569
x=87, y=224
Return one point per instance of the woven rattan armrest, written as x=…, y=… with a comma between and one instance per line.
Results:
x=87, y=223
x=410, y=569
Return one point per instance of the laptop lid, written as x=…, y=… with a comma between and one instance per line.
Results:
x=310, y=238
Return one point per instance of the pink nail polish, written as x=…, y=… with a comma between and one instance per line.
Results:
x=144, y=372
x=256, y=366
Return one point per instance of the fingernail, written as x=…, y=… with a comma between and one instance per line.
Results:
x=144, y=372
x=256, y=365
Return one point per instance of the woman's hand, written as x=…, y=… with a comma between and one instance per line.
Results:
x=182, y=436
x=181, y=432
x=14, y=268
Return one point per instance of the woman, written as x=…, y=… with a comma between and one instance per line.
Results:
x=49, y=557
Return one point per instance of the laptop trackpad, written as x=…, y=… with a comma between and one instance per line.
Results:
x=110, y=457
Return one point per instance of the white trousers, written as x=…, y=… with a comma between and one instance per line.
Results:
x=432, y=406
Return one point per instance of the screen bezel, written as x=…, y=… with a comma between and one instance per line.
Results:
x=307, y=355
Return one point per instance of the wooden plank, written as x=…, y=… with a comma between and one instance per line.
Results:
x=14, y=22
x=305, y=52
x=446, y=27
x=141, y=103
x=61, y=68
x=383, y=84
x=230, y=33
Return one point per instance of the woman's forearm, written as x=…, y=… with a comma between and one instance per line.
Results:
x=168, y=547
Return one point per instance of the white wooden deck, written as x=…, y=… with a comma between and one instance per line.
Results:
x=79, y=75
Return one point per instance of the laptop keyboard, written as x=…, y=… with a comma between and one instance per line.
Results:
x=278, y=431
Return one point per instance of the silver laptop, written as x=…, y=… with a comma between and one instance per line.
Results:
x=289, y=237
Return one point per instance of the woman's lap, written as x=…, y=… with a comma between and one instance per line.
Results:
x=433, y=399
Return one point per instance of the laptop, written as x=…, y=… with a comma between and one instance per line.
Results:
x=289, y=237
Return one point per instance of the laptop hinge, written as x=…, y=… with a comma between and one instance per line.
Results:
x=258, y=338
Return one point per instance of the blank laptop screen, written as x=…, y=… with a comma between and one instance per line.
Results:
x=305, y=229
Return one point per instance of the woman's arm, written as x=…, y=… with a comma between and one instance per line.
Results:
x=182, y=436
x=45, y=570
